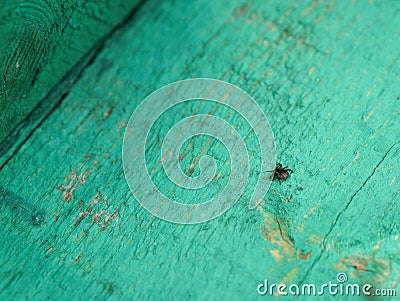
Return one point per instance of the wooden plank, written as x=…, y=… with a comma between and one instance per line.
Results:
x=326, y=74
x=41, y=42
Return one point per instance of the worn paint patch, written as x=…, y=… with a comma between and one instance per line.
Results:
x=275, y=231
x=101, y=217
x=291, y=275
x=74, y=182
x=366, y=267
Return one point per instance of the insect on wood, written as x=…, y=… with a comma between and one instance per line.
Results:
x=280, y=173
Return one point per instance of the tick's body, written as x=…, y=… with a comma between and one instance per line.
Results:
x=281, y=173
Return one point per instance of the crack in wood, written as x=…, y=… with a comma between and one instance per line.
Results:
x=324, y=242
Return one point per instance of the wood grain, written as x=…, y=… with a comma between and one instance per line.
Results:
x=327, y=76
x=41, y=42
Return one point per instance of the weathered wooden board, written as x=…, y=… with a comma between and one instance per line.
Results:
x=326, y=74
x=40, y=43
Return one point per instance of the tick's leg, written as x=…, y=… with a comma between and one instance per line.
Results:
x=279, y=180
x=289, y=170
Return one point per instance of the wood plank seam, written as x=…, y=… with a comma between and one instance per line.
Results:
x=33, y=119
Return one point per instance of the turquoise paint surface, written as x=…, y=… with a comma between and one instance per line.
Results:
x=327, y=76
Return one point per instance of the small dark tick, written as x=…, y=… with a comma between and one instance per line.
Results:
x=281, y=173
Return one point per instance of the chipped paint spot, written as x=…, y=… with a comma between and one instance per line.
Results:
x=75, y=181
x=51, y=249
x=276, y=232
x=366, y=267
x=370, y=90
x=108, y=218
x=120, y=126
x=312, y=210
x=291, y=276
x=101, y=217
x=109, y=111
x=276, y=254
x=355, y=158
x=78, y=258
x=242, y=10
x=82, y=215
x=377, y=246
x=315, y=239
x=304, y=256
x=372, y=111
x=217, y=176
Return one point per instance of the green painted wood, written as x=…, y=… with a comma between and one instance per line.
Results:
x=41, y=41
x=326, y=74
